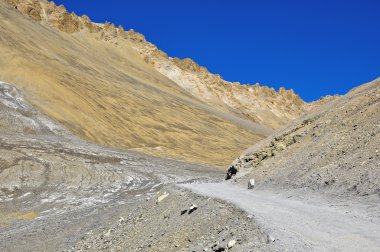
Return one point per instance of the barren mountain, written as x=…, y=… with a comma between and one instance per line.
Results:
x=260, y=104
x=95, y=80
x=78, y=98
x=333, y=149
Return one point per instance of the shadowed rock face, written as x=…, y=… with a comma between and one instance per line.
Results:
x=333, y=149
x=95, y=79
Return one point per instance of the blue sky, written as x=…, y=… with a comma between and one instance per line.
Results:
x=315, y=47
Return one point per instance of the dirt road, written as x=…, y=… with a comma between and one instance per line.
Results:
x=298, y=225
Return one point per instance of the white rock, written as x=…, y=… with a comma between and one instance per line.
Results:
x=162, y=197
x=193, y=207
x=231, y=244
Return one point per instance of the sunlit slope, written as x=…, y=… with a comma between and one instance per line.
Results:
x=108, y=94
x=335, y=148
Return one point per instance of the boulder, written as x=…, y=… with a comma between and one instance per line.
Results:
x=162, y=197
x=231, y=172
x=192, y=208
x=231, y=244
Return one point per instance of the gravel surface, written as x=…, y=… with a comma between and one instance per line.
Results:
x=308, y=224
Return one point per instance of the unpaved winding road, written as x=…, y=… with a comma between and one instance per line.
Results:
x=302, y=225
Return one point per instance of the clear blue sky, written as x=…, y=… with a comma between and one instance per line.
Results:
x=315, y=47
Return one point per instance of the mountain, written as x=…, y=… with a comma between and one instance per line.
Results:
x=333, y=149
x=80, y=101
x=113, y=87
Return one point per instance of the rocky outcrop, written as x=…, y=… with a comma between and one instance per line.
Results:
x=47, y=11
x=30, y=8
x=278, y=144
x=108, y=32
x=88, y=25
x=67, y=22
x=259, y=104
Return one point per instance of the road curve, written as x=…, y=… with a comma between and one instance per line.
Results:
x=301, y=225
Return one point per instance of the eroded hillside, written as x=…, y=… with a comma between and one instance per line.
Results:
x=108, y=94
x=95, y=80
x=335, y=149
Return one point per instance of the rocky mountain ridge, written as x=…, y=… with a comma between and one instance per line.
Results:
x=259, y=104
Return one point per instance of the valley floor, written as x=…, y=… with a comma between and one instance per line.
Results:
x=61, y=193
x=304, y=222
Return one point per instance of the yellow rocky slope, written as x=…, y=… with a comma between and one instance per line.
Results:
x=91, y=78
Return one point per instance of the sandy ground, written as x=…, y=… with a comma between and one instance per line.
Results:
x=310, y=224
